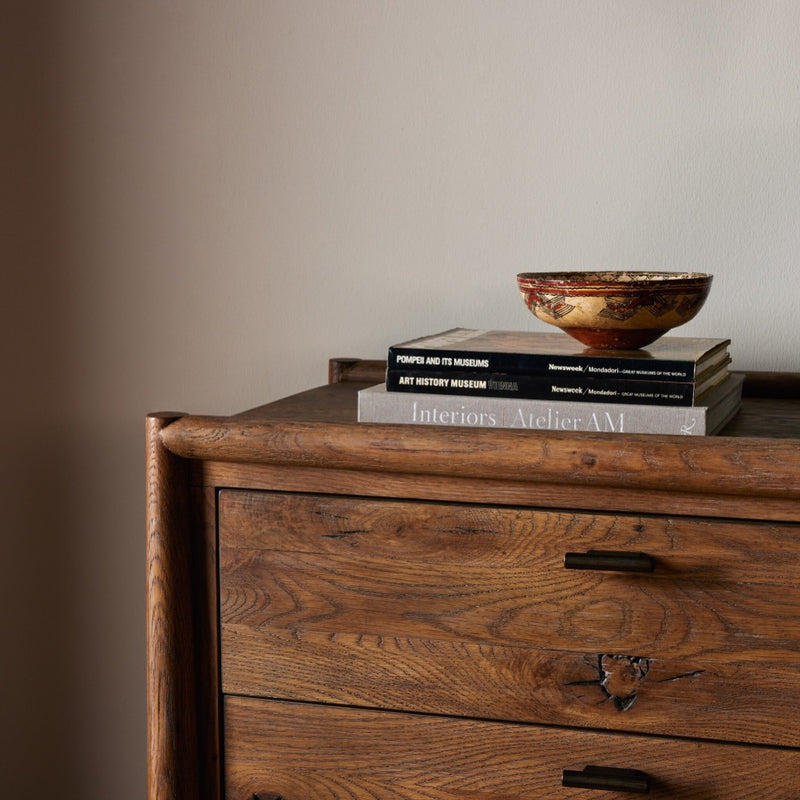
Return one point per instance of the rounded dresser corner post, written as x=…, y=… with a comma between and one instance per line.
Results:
x=171, y=713
x=338, y=367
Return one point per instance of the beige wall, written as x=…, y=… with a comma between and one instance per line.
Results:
x=206, y=200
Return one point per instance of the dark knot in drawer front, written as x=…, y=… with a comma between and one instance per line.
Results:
x=619, y=677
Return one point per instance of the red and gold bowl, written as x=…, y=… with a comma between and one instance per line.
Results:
x=615, y=310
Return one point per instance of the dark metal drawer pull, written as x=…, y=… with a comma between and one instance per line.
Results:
x=611, y=778
x=267, y=796
x=610, y=560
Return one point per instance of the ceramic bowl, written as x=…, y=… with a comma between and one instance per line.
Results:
x=614, y=310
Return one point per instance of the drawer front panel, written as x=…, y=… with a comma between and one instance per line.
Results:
x=300, y=751
x=470, y=611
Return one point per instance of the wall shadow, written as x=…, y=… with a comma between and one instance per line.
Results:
x=41, y=746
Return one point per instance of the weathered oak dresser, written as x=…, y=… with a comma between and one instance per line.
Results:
x=343, y=611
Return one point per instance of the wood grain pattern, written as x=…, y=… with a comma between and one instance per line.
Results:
x=687, y=463
x=397, y=609
x=271, y=477
x=328, y=753
x=503, y=606
x=497, y=576
x=321, y=434
x=741, y=701
x=382, y=602
x=172, y=745
x=460, y=534
x=205, y=610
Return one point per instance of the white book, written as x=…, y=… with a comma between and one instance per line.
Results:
x=376, y=404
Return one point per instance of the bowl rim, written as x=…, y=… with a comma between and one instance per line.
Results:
x=617, y=279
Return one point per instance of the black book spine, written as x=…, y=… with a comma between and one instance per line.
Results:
x=594, y=366
x=541, y=387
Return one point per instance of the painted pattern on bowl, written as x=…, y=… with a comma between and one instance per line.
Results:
x=619, y=310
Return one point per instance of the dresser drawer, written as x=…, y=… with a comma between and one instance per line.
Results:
x=470, y=611
x=301, y=751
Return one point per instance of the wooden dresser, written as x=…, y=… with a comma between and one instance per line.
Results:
x=342, y=611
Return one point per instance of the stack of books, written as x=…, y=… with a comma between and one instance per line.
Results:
x=548, y=381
